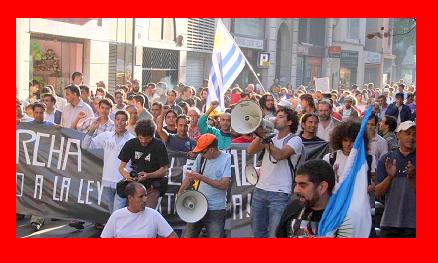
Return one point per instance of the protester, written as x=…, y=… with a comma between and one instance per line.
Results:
x=396, y=183
x=314, y=184
x=272, y=191
x=137, y=220
x=212, y=168
x=149, y=159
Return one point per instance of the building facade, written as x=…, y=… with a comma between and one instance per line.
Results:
x=173, y=50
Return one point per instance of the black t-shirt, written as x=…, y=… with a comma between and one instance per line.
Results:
x=298, y=221
x=314, y=139
x=169, y=131
x=145, y=159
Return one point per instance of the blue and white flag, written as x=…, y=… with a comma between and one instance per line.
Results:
x=348, y=212
x=227, y=63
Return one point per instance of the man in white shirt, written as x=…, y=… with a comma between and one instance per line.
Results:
x=74, y=106
x=111, y=142
x=377, y=144
x=272, y=192
x=137, y=220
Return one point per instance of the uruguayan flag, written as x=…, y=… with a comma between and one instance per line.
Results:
x=348, y=212
x=227, y=63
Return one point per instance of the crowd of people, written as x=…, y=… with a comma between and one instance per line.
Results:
x=137, y=126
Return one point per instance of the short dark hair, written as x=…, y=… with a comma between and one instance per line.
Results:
x=151, y=84
x=52, y=98
x=391, y=121
x=383, y=97
x=75, y=74
x=119, y=91
x=38, y=105
x=100, y=89
x=318, y=171
x=375, y=117
x=145, y=128
x=171, y=111
x=172, y=91
x=182, y=116
x=106, y=102
x=157, y=103
x=291, y=115
x=132, y=187
x=122, y=112
x=308, y=115
x=400, y=95
x=139, y=98
x=74, y=89
x=84, y=88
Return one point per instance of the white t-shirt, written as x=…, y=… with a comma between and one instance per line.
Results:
x=146, y=224
x=341, y=161
x=277, y=177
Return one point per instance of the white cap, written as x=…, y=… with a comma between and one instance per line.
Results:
x=404, y=126
x=386, y=90
x=285, y=104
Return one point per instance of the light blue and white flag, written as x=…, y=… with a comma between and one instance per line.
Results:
x=227, y=63
x=348, y=212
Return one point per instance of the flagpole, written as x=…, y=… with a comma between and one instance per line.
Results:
x=247, y=62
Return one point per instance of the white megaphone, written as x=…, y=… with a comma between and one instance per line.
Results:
x=247, y=117
x=191, y=206
x=252, y=174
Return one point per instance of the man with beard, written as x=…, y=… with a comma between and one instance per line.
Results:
x=347, y=111
x=267, y=103
x=135, y=88
x=314, y=183
x=272, y=191
x=326, y=122
x=309, y=123
x=149, y=158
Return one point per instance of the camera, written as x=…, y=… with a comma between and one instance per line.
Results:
x=133, y=174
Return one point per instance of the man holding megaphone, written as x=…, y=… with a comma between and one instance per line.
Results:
x=211, y=174
x=273, y=189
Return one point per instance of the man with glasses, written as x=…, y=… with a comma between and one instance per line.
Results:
x=148, y=156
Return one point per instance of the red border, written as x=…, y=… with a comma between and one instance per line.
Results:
x=48, y=250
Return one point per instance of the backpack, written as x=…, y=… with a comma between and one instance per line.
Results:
x=301, y=159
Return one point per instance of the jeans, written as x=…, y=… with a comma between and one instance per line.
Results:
x=214, y=222
x=266, y=211
x=115, y=201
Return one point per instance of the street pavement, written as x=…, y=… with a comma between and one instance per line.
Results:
x=56, y=229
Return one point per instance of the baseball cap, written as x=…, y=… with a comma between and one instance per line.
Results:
x=203, y=142
x=285, y=104
x=404, y=126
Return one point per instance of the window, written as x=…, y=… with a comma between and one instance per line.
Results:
x=252, y=27
x=312, y=31
x=353, y=28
